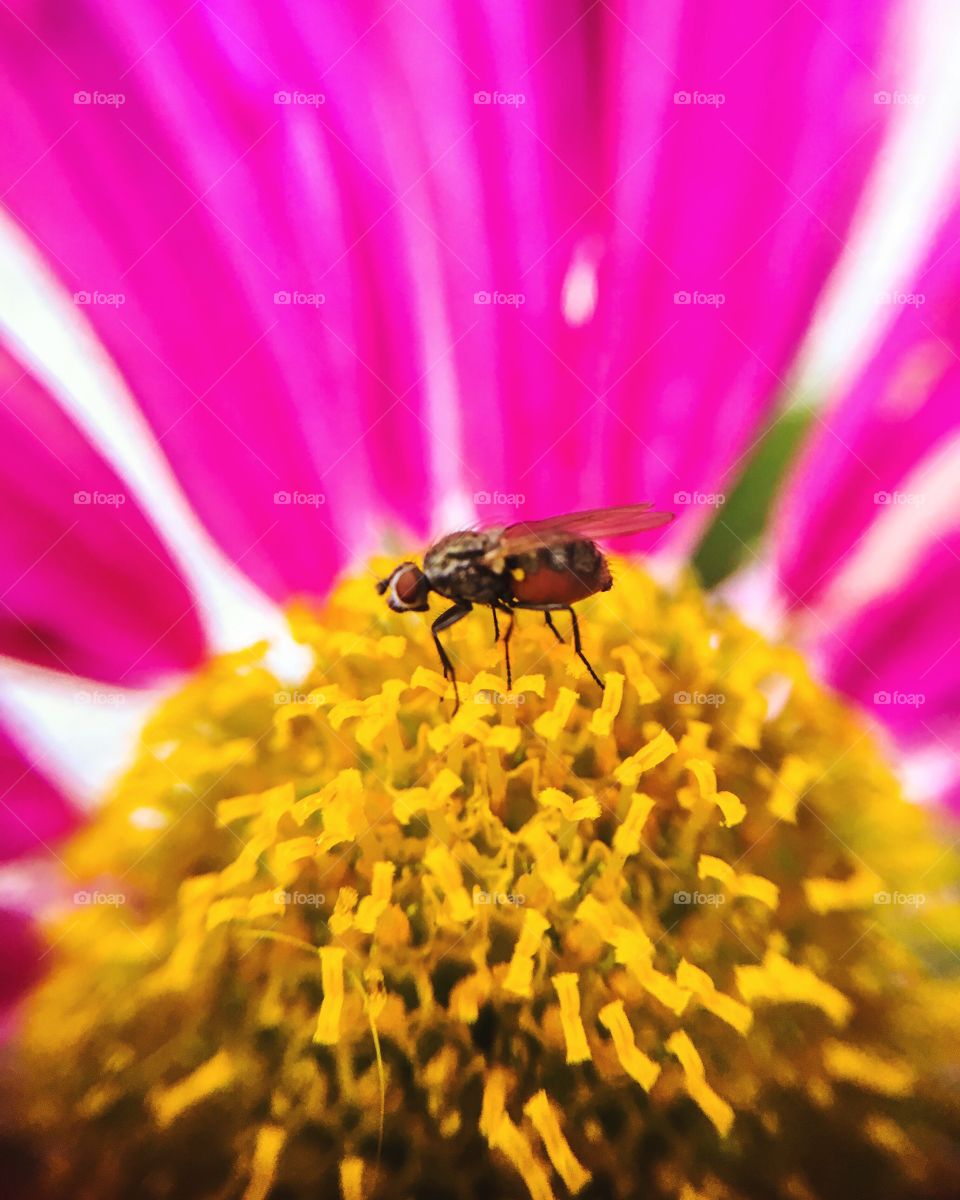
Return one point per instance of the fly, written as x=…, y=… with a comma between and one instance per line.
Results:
x=546, y=566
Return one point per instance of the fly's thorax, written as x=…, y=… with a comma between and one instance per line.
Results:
x=465, y=566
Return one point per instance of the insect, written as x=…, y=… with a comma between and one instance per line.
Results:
x=546, y=566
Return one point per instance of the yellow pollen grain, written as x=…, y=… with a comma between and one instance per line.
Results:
x=731, y=807
x=599, y=918
x=263, y=1167
x=852, y=1064
x=327, y=1032
x=601, y=723
x=587, y=808
x=493, y=1105
x=548, y=862
x=754, y=887
x=550, y=725
x=507, y=1138
x=656, y=751
x=738, y=1015
x=544, y=1119
x=351, y=1178
x=714, y=1107
x=210, y=1077
x=567, y=986
x=233, y=908
x=373, y=906
x=841, y=895
x=633, y=668
x=613, y=1017
x=626, y=839
x=789, y=786
x=342, y=917
x=291, y=851
x=519, y=977
x=446, y=870
x=779, y=981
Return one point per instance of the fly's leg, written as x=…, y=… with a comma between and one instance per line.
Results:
x=551, y=608
x=496, y=626
x=506, y=647
x=444, y=621
x=579, y=649
x=550, y=625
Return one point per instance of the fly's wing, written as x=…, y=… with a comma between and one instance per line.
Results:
x=592, y=525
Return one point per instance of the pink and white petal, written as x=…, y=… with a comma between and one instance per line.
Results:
x=86, y=586
x=20, y=964
x=212, y=210
x=744, y=205
x=873, y=451
x=34, y=813
x=898, y=657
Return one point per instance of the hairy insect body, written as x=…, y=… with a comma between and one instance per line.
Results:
x=464, y=566
x=545, y=565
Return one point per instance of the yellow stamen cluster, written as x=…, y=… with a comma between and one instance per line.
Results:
x=563, y=943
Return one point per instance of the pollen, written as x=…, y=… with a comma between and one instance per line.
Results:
x=563, y=942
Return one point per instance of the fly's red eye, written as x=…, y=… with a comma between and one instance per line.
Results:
x=408, y=586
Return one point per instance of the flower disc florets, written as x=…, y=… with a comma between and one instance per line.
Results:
x=625, y=945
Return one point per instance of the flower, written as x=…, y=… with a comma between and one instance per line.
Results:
x=670, y=942
x=329, y=275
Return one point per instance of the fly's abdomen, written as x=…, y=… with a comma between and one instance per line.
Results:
x=561, y=574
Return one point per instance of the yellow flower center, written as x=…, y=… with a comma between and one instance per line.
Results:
x=623, y=944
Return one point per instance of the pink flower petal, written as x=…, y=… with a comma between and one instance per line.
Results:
x=20, y=964
x=580, y=192
x=898, y=656
x=900, y=409
x=33, y=812
x=86, y=586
